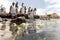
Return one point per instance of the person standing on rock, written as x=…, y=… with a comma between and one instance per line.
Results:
x=1, y=8
x=12, y=10
x=16, y=6
x=35, y=11
x=23, y=8
x=28, y=12
x=31, y=14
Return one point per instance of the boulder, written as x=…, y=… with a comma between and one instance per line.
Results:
x=19, y=20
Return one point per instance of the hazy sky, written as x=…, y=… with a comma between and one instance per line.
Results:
x=43, y=6
x=32, y=3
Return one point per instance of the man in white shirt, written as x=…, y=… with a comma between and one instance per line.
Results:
x=12, y=10
x=23, y=8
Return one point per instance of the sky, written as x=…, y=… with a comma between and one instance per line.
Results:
x=43, y=6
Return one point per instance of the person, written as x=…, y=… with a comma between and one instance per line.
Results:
x=4, y=11
x=1, y=9
x=20, y=10
x=23, y=8
x=34, y=11
x=16, y=6
x=28, y=11
x=12, y=10
x=31, y=14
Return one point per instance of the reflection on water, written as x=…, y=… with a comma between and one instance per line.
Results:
x=50, y=31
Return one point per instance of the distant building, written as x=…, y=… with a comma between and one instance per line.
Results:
x=54, y=15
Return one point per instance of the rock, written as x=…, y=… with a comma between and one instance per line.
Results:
x=18, y=20
x=0, y=19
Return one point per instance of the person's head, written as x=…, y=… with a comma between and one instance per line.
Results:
x=31, y=10
x=13, y=3
x=34, y=9
x=16, y=2
x=22, y=4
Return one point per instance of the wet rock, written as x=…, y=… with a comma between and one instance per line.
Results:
x=18, y=20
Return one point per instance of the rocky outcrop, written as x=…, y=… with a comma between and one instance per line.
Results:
x=18, y=20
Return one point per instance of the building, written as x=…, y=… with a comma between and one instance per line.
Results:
x=54, y=15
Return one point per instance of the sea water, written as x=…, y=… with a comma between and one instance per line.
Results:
x=50, y=31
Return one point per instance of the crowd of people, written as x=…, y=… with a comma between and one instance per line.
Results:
x=23, y=10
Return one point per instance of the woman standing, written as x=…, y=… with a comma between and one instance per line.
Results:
x=12, y=10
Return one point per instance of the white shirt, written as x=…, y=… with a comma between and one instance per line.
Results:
x=22, y=10
x=31, y=15
x=13, y=9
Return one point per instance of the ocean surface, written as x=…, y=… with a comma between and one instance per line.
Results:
x=50, y=31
